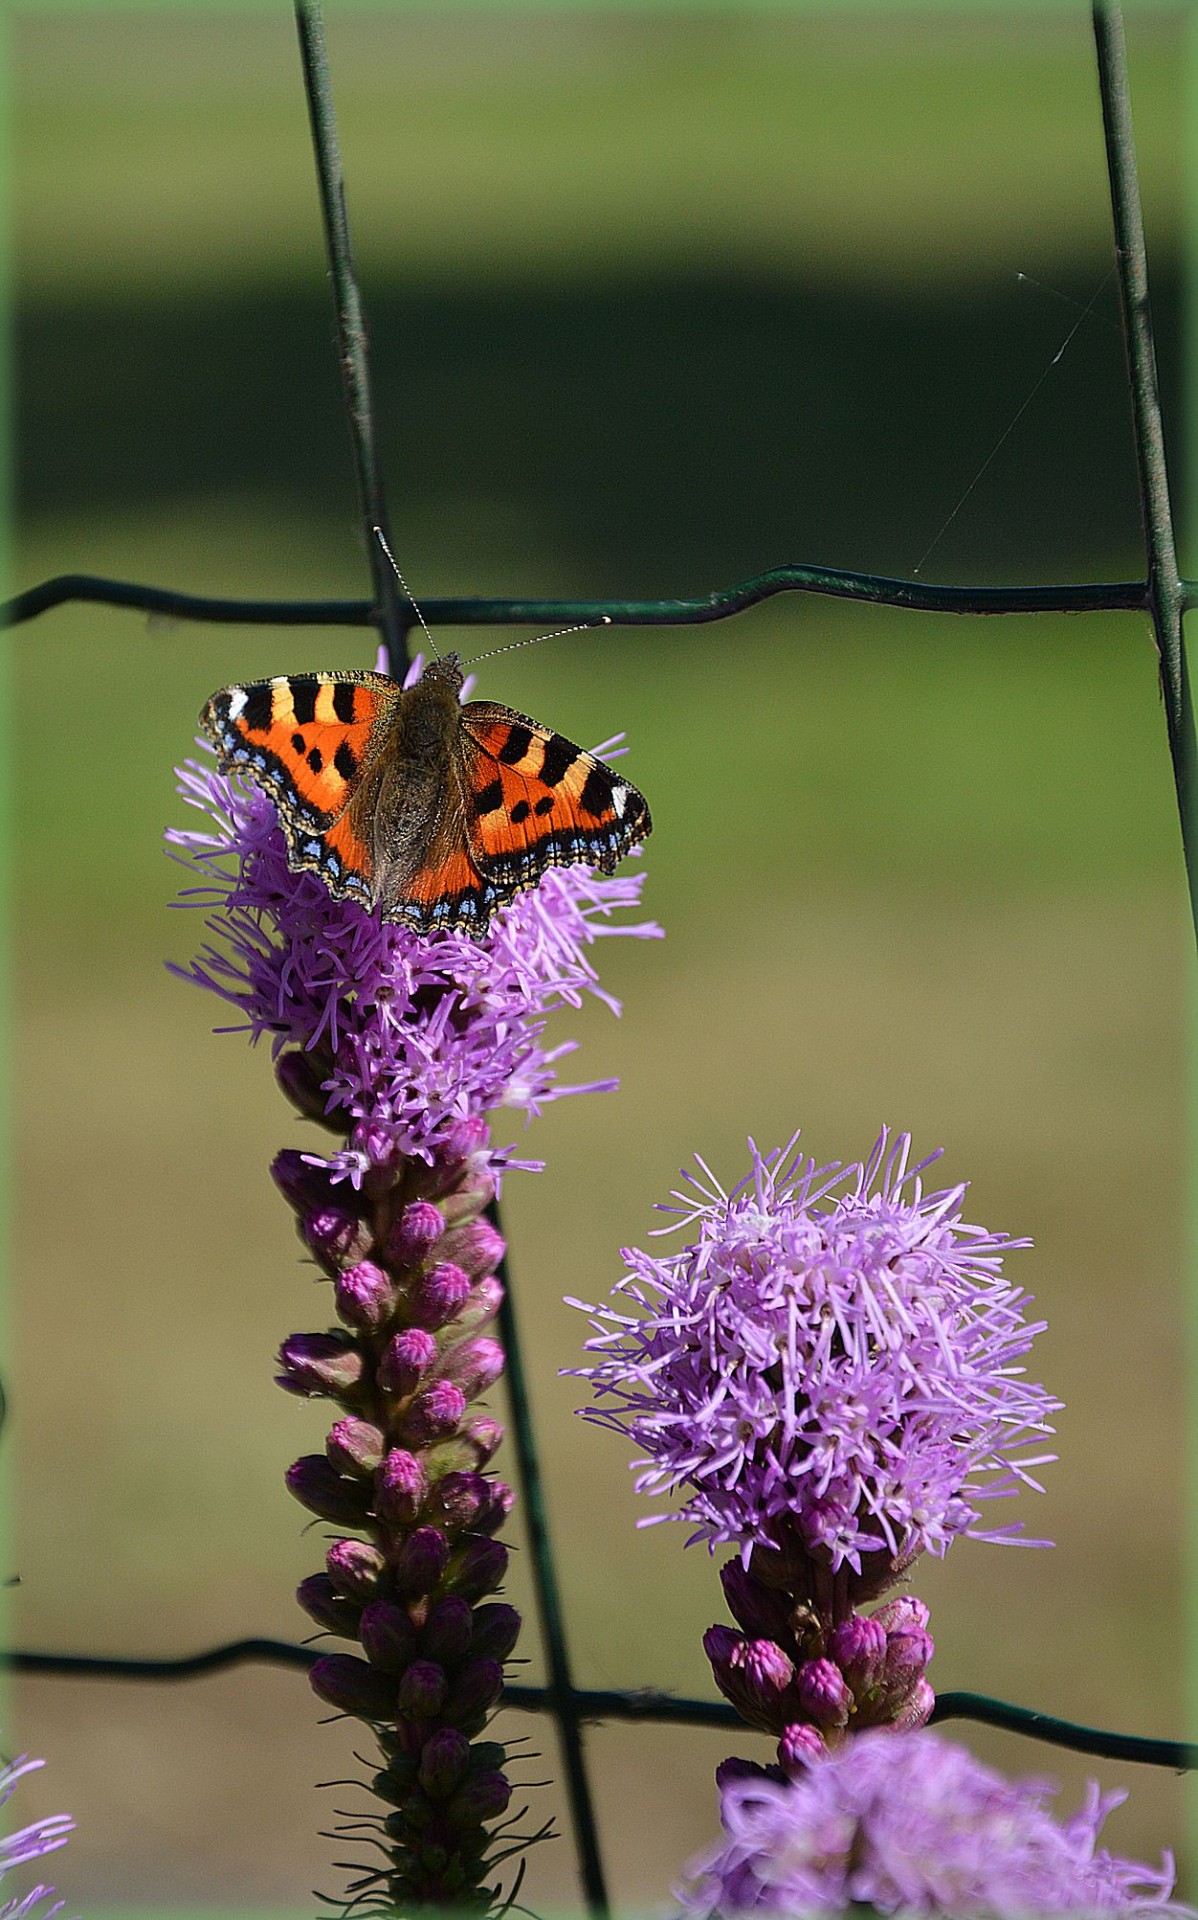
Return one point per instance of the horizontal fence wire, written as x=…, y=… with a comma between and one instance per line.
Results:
x=1163, y=596
x=610, y=1703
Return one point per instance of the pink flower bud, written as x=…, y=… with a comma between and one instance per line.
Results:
x=325, y=1363
x=400, y=1487
x=822, y=1693
x=800, y=1745
x=858, y=1646
x=439, y=1296
x=365, y=1295
x=336, y=1238
x=483, y=1436
x=414, y=1234
x=476, y=1247
x=354, y=1567
x=407, y=1357
x=354, y=1447
x=421, y=1561
x=388, y=1636
x=495, y=1631
x=474, y=1692
x=481, y=1304
x=320, y=1599
x=447, y=1631
x=474, y=1365
x=478, y=1566
x=762, y=1611
x=486, y=1795
x=317, y=1486
x=435, y=1413
x=422, y=1689
x=916, y=1709
x=348, y=1683
x=303, y=1186
x=444, y=1763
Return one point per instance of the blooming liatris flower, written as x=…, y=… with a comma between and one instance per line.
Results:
x=401, y=1044
x=908, y=1823
x=825, y=1377
x=30, y=1843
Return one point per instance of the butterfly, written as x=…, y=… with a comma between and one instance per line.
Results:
x=432, y=813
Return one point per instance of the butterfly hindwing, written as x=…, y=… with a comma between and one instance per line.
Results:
x=534, y=800
x=305, y=739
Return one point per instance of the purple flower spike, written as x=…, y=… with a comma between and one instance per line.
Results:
x=400, y=1046
x=829, y=1368
x=907, y=1823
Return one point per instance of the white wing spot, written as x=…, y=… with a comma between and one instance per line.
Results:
x=237, y=700
x=619, y=800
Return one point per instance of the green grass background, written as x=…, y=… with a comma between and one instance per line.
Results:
x=656, y=302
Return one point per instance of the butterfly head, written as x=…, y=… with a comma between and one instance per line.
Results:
x=447, y=671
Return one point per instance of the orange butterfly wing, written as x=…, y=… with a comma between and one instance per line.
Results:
x=306, y=739
x=534, y=801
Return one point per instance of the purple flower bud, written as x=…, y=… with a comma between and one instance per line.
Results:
x=421, y=1561
x=899, y=1616
x=474, y=1365
x=354, y=1446
x=474, y=1692
x=422, y=1689
x=439, y=1296
x=444, y=1763
x=335, y=1237
x=319, y=1597
x=388, y=1636
x=468, y=1199
x=447, y=1631
x=482, y=1304
x=365, y=1295
x=822, y=1693
x=483, y=1436
x=496, y=1630
x=323, y=1491
x=462, y=1141
x=916, y=1709
x=348, y=1683
x=327, y=1363
x=762, y=1611
x=303, y=1186
x=381, y=1158
x=476, y=1247
x=720, y=1643
x=434, y=1413
x=406, y=1359
x=754, y=1674
x=477, y=1566
x=908, y=1653
x=486, y=1795
x=354, y=1567
x=469, y=1502
x=401, y=1484
x=858, y=1646
x=301, y=1077
x=414, y=1234
x=800, y=1746
x=733, y=1769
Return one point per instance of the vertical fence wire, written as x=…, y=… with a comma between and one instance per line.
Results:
x=351, y=333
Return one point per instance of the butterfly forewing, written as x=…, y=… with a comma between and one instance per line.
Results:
x=535, y=800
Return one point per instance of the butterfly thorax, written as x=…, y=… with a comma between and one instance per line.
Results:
x=407, y=792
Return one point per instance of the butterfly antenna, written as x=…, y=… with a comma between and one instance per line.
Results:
x=381, y=537
x=559, y=633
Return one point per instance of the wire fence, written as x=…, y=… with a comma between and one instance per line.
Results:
x=1162, y=595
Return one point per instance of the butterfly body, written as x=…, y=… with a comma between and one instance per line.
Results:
x=432, y=813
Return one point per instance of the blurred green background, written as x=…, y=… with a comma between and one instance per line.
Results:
x=657, y=301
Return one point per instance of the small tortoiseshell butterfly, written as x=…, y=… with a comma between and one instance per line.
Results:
x=431, y=812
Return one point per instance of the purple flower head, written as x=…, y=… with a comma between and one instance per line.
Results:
x=411, y=1034
x=908, y=1823
x=829, y=1368
x=30, y=1843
